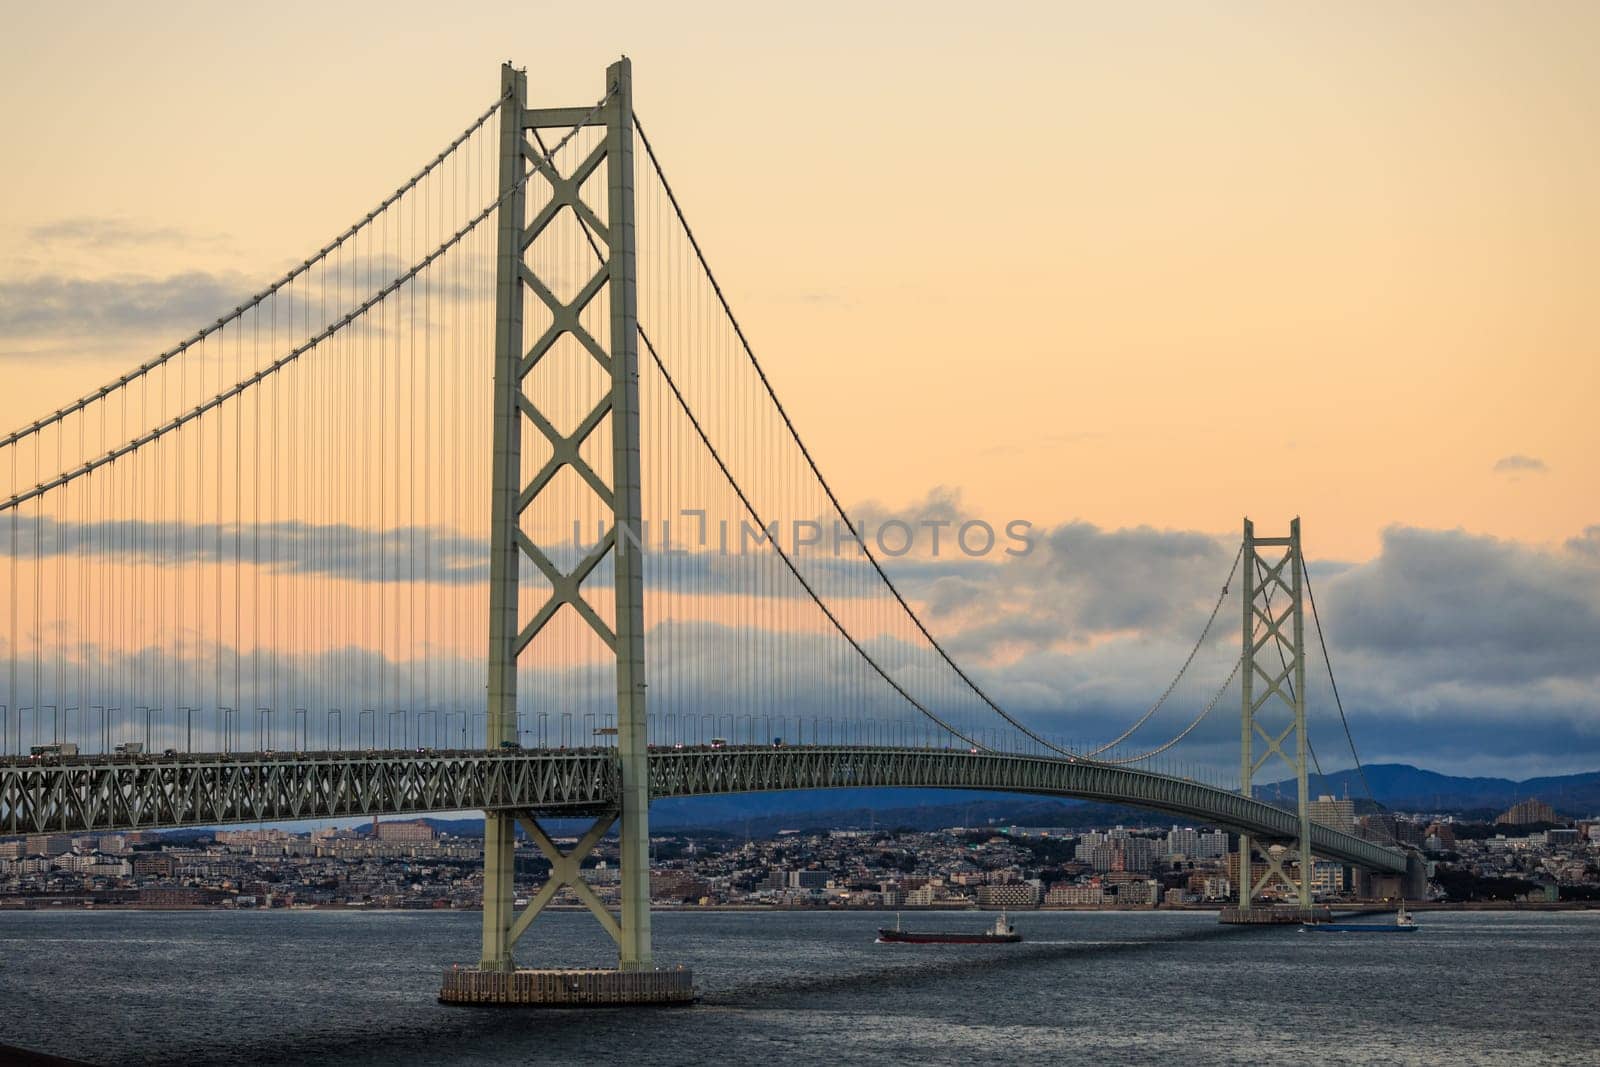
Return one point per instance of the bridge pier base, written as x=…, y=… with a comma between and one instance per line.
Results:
x=1274, y=915
x=473, y=986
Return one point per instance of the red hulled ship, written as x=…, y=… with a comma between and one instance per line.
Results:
x=1001, y=933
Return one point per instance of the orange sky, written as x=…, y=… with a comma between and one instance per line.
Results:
x=1165, y=264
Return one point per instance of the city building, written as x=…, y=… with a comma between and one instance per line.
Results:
x=1066, y=894
x=1328, y=877
x=1122, y=854
x=405, y=833
x=1335, y=813
x=48, y=844
x=1526, y=813
x=1183, y=841
x=154, y=865
x=1009, y=895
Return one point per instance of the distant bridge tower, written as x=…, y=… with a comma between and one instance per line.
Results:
x=510, y=633
x=1274, y=692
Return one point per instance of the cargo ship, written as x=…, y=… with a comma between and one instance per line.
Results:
x=1403, y=924
x=1001, y=933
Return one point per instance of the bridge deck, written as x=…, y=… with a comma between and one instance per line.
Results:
x=93, y=793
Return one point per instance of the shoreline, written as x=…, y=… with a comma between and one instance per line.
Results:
x=1413, y=906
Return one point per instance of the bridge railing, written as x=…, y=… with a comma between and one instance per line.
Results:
x=85, y=793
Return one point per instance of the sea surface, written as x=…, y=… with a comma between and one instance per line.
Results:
x=792, y=989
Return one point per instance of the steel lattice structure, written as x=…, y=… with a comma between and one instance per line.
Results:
x=1273, y=695
x=94, y=794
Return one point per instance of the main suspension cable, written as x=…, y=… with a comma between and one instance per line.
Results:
x=272, y=368
x=1187, y=730
x=749, y=506
x=794, y=433
x=1338, y=703
x=1162, y=699
x=249, y=305
x=787, y=562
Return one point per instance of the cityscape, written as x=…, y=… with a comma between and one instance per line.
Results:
x=719, y=533
x=1527, y=856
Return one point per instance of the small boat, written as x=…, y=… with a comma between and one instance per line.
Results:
x=1403, y=924
x=1001, y=933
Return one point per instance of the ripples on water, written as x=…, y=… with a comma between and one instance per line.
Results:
x=796, y=989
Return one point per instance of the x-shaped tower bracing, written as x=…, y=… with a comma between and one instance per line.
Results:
x=1273, y=699
x=511, y=635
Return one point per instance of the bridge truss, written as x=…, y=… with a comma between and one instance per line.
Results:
x=178, y=791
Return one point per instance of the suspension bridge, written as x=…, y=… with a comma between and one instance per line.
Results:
x=507, y=420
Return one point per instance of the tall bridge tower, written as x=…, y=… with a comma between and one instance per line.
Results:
x=1273, y=694
x=512, y=631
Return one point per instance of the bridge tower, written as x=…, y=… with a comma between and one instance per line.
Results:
x=496, y=979
x=1274, y=694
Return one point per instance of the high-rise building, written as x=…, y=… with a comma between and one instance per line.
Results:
x=1122, y=854
x=1140, y=853
x=1214, y=844
x=49, y=844
x=1526, y=813
x=1183, y=841
x=1334, y=813
x=406, y=833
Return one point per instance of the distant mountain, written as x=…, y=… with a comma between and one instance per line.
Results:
x=764, y=815
x=1408, y=788
x=1395, y=785
x=915, y=809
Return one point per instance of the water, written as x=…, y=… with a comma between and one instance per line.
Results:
x=796, y=989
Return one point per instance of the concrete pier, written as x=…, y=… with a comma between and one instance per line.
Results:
x=565, y=988
x=1274, y=916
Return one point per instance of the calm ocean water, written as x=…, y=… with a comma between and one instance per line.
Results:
x=796, y=989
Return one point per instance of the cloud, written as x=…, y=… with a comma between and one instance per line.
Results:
x=1445, y=621
x=1586, y=544
x=59, y=305
x=403, y=554
x=55, y=304
x=100, y=232
x=1453, y=650
x=1519, y=464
